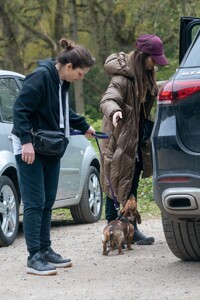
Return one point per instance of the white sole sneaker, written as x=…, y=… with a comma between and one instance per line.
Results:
x=41, y=273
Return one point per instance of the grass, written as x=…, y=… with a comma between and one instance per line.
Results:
x=146, y=204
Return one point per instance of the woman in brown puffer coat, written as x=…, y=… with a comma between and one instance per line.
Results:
x=126, y=103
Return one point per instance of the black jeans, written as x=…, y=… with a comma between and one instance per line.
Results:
x=110, y=210
x=38, y=185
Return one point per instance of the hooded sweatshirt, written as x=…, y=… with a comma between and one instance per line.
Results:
x=41, y=104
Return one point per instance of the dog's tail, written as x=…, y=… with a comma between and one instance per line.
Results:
x=112, y=240
x=108, y=239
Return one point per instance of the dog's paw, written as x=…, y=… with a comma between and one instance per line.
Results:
x=129, y=248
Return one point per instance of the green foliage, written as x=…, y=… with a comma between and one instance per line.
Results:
x=164, y=73
x=146, y=203
x=95, y=84
x=30, y=31
x=96, y=123
x=145, y=189
x=92, y=112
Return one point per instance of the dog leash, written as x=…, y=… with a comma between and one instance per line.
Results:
x=97, y=134
x=100, y=135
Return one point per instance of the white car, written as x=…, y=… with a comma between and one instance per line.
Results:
x=79, y=185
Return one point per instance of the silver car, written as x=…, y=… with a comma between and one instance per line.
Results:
x=79, y=185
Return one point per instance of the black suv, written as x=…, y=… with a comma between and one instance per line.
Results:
x=176, y=148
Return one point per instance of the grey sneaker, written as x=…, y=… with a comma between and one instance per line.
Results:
x=140, y=239
x=55, y=259
x=38, y=266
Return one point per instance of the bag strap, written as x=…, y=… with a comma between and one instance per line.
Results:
x=97, y=134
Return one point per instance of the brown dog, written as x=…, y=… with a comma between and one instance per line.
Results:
x=121, y=231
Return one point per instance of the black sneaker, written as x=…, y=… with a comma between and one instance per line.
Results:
x=140, y=239
x=38, y=266
x=55, y=259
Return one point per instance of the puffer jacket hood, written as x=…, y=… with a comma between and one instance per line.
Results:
x=120, y=151
x=118, y=64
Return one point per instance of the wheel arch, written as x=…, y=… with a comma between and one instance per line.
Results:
x=95, y=163
x=90, y=159
x=11, y=173
x=8, y=168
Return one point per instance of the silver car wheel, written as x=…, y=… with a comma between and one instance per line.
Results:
x=9, y=211
x=94, y=195
x=90, y=207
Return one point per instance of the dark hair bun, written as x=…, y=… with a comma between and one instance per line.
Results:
x=66, y=45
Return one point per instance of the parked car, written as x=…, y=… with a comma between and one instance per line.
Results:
x=79, y=185
x=176, y=148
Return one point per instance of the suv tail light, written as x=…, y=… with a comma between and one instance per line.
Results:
x=174, y=91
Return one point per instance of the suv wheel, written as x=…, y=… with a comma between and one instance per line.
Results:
x=182, y=238
x=90, y=207
x=9, y=212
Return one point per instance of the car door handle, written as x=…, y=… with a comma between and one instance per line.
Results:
x=10, y=138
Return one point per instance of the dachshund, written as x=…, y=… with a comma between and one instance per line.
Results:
x=120, y=231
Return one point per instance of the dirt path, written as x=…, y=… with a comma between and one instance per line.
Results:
x=147, y=272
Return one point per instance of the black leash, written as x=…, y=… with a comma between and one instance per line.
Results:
x=100, y=135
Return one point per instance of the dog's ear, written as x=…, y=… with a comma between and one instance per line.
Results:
x=138, y=217
x=132, y=198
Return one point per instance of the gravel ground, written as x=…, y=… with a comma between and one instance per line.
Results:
x=147, y=272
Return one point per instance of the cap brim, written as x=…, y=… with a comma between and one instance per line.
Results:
x=160, y=59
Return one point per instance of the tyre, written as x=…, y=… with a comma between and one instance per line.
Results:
x=90, y=207
x=182, y=238
x=9, y=212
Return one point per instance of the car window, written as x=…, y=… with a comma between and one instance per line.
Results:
x=195, y=30
x=8, y=93
x=193, y=59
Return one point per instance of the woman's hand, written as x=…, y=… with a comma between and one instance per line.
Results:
x=89, y=132
x=28, y=153
x=116, y=117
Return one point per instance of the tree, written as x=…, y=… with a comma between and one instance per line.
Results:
x=30, y=30
x=78, y=85
x=9, y=40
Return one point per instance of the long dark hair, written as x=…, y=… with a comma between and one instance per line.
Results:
x=144, y=79
x=75, y=54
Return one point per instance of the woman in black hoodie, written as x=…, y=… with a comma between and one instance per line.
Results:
x=41, y=105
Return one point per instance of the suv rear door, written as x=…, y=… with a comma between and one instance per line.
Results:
x=188, y=29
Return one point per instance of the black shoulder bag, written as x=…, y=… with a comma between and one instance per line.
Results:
x=50, y=143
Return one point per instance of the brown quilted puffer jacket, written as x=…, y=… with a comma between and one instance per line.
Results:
x=120, y=150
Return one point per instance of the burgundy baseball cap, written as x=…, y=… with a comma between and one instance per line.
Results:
x=152, y=45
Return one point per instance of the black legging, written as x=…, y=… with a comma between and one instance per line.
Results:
x=110, y=210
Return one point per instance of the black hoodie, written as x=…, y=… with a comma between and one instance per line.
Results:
x=37, y=106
